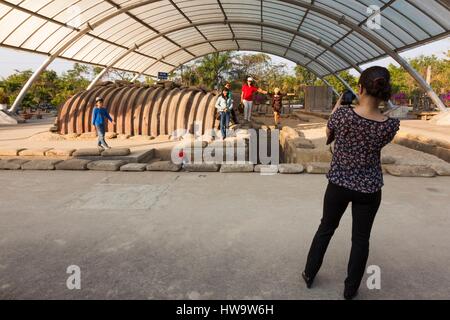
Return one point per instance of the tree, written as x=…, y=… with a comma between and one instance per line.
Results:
x=305, y=76
x=3, y=97
x=189, y=76
x=339, y=86
x=213, y=69
x=440, y=71
x=255, y=65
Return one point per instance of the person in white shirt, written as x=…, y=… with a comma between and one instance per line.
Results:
x=224, y=105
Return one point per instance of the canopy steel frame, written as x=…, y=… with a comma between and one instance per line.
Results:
x=297, y=62
x=340, y=20
x=69, y=42
x=367, y=35
x=238, y=39
x=221, y=22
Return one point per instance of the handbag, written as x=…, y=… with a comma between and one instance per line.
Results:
x=331, y=138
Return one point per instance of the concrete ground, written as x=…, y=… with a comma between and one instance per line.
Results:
x=208, y=236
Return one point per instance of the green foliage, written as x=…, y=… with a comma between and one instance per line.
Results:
x=269, y=75
x=347, y=76
x=3, y=97
x=212, y=71
x=440, y=75
x=150, y=81
x=49, y=88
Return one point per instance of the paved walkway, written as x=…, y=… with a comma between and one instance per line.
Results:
x=35, y=135
x=208, y=236
x=25, y=130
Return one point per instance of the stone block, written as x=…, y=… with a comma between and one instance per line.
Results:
x=92, y=152
x=116, y=152
x=202, y=167
x=60, y=152
x=40, y=165
x=266, y=169
x=410, y=171
x=387, y=160
x=318, y=167
x=12, y=164
x=443, y=153
x=237, y=168
x=10, y=152
x=88, y=136
x=111, y=135
x=123, y=136
x=134, y=167
x=142, y=156
x=106, y=165
x=71, y=136
x=73, y=165
x=305, y=156
x=164, y=166
x=290, y=132
x=34, y=152
x=441, y=169
x=291, y=168
x=303, y=143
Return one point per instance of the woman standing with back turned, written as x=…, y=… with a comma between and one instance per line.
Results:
x=356, y=175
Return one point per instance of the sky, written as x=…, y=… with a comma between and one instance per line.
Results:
x=11, y=60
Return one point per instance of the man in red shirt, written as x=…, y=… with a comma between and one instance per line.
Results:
x=248, y=93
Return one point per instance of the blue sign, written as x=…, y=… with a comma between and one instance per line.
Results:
x=163, y=76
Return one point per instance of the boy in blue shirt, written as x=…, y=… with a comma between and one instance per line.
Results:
x=99, y=120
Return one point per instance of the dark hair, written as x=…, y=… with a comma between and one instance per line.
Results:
x=225, y=90
x=377, y=82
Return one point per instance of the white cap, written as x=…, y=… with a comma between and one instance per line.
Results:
x=250, y=79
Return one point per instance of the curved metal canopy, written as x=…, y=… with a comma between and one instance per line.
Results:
x=149, y=36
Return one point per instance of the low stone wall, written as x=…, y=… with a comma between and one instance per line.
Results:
x=438, y=148
x=298, y=155
x=295, y=148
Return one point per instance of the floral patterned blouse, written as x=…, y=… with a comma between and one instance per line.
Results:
x=356, y=161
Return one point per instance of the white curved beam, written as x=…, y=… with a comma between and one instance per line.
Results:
x=232, y=49
x=339, y=19
x=381, y=44
x=221, y=22
x=306, y=67
x=64, y=45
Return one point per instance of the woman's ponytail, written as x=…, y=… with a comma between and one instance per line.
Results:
x=377, y=82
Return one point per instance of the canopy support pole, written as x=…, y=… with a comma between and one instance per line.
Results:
x=329, y=84
x=422, y=83
x=68, y=43
x=97, y=78
x=381, y=44
x=23, y=92
x=136, y=77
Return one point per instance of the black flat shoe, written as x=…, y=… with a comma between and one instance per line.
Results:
x=350, y=294
x=309, y=281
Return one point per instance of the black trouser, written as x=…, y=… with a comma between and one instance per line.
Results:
x=364, y=210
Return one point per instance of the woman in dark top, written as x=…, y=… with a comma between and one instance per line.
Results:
x=356, y=175
x=277, y=105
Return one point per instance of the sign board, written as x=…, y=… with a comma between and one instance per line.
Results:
x=163, y=76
